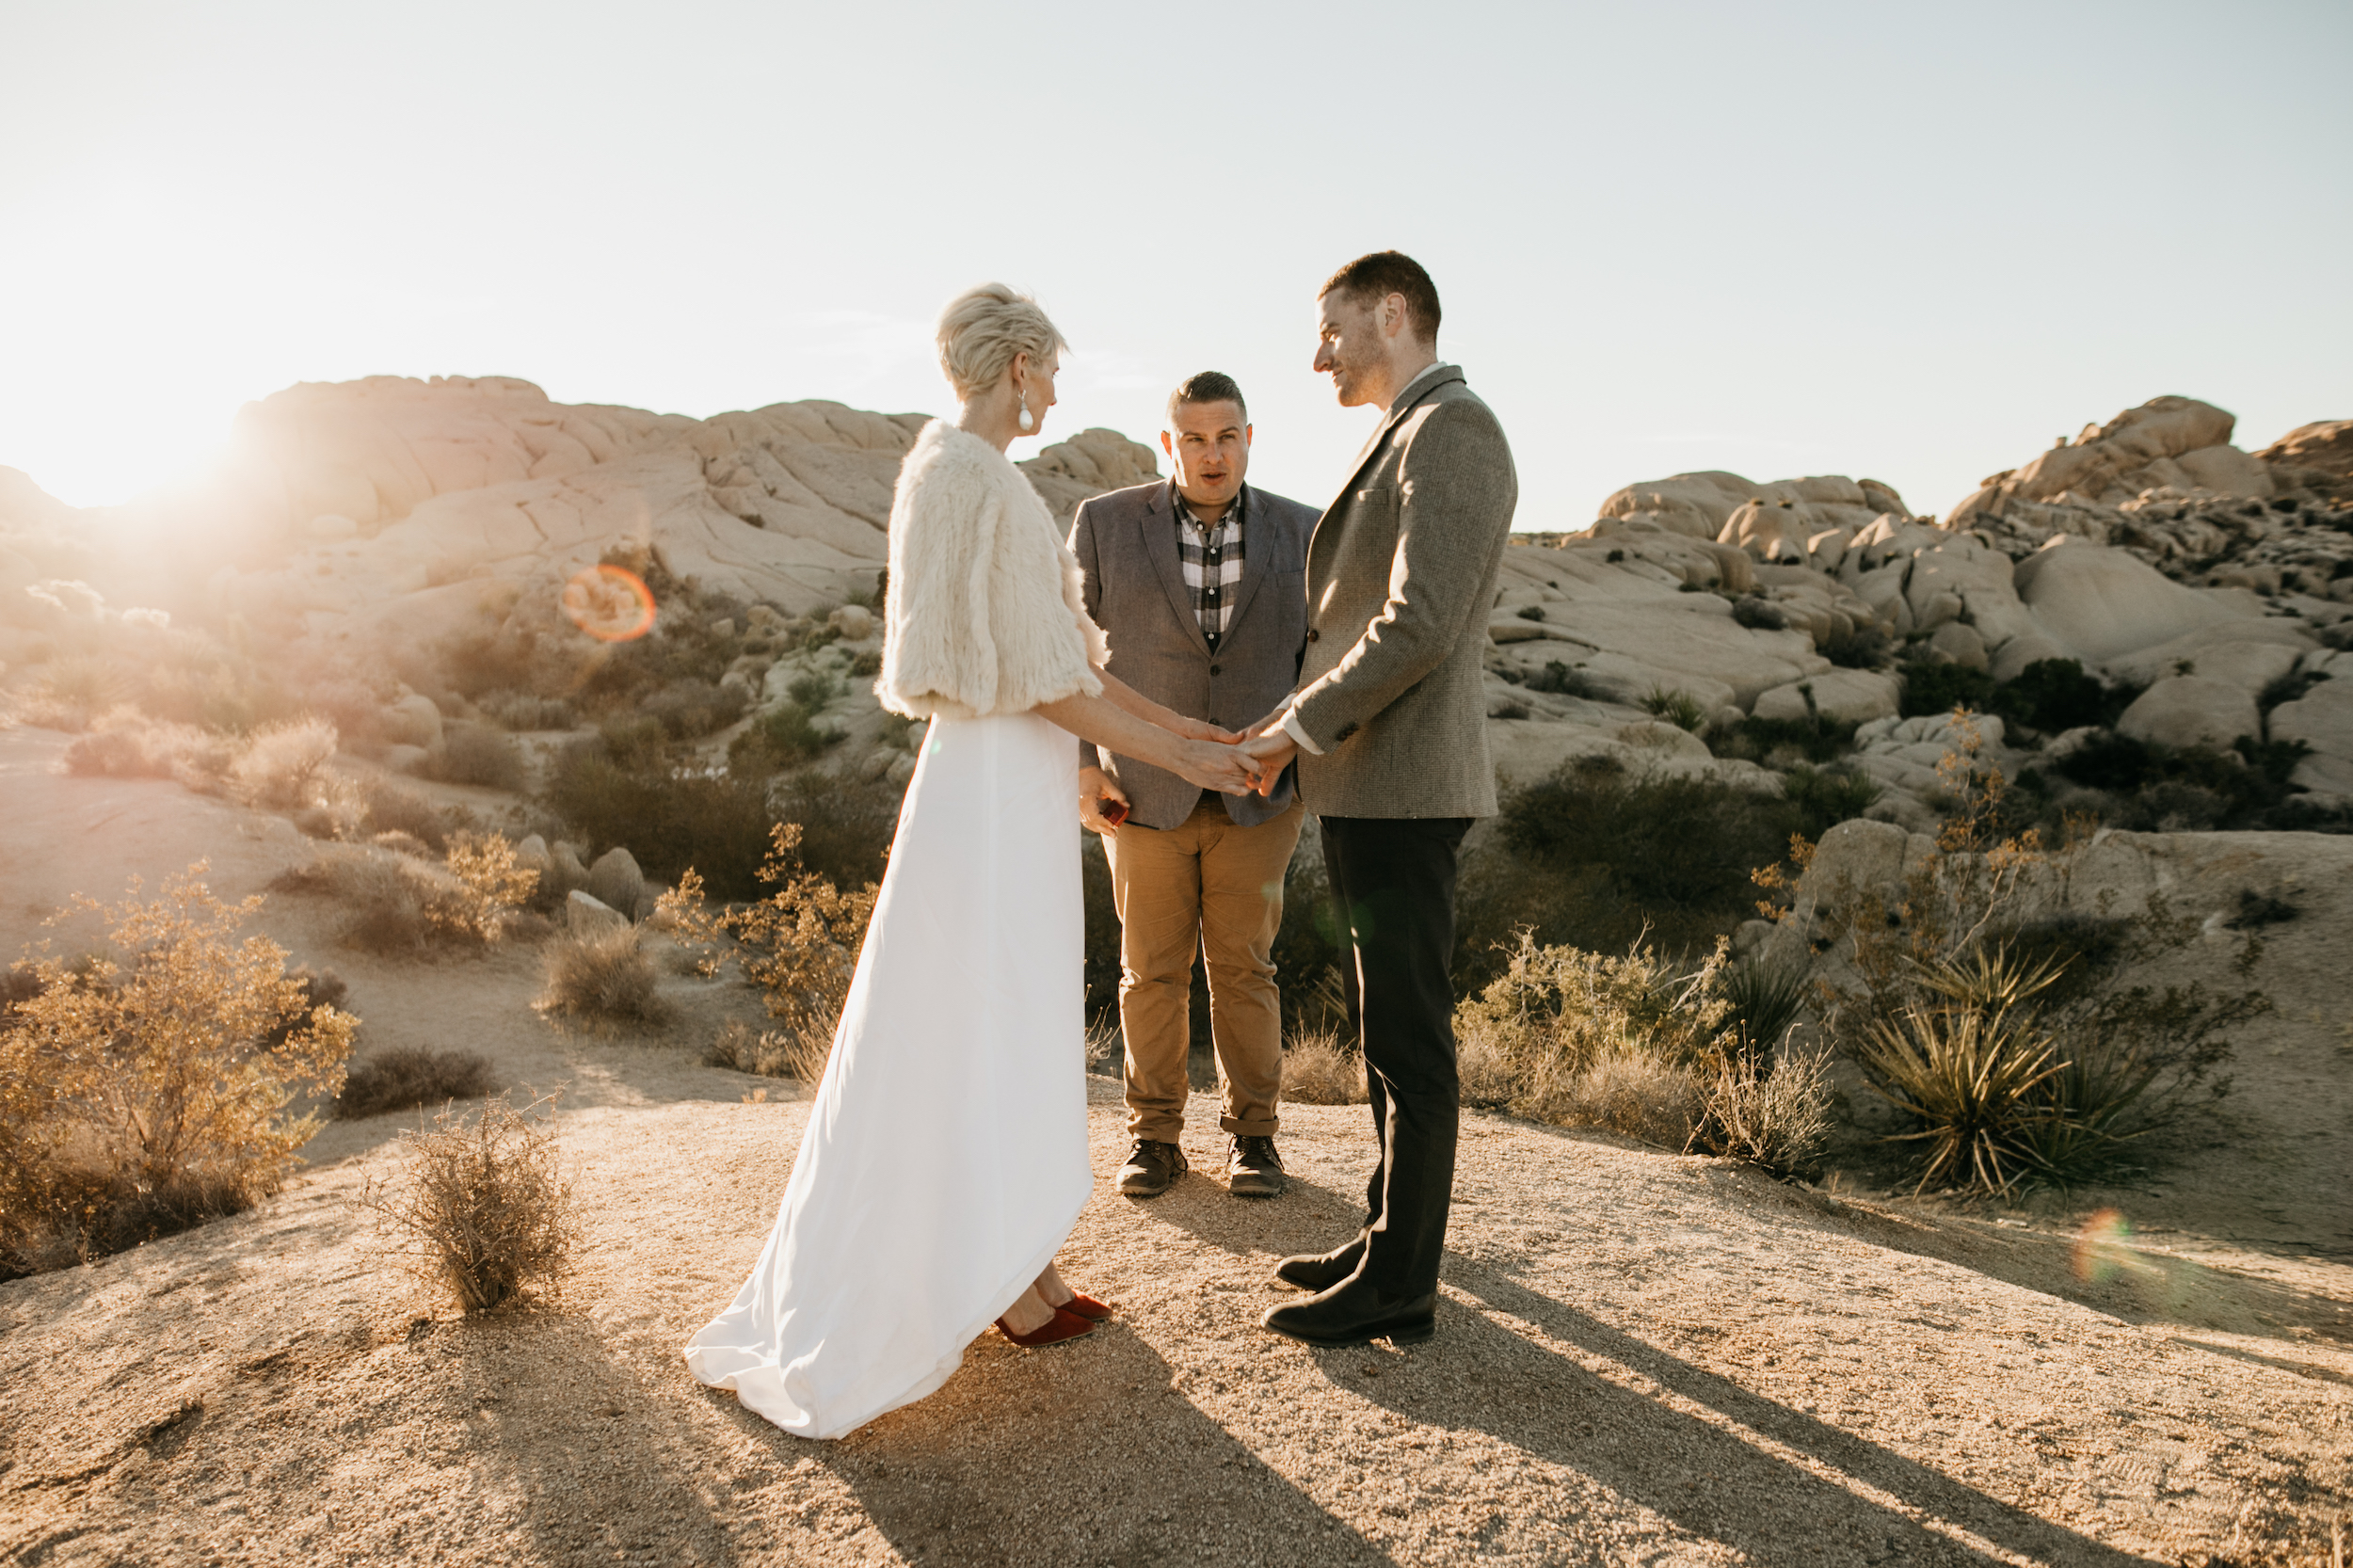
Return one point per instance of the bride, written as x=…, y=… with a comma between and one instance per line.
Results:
x=945, y=1157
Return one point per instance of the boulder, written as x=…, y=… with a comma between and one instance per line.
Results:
x=414, y=720
x=409, y=761
x=532, y=855
x=853, y=621
x=2247, y=653
x=2326, y=445
x=2191, y=711
x=615, y=879
x=2100, y=603
x=565, y=871
x=1957, y=644
x=2322, y=718
x=584, y=912
x=1856, y=695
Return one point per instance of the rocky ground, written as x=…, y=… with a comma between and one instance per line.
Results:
x=1642, y=1357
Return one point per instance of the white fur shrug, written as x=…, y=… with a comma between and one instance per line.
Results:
x=983, y=614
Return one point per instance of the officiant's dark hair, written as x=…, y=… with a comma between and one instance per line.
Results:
x=1208, y=385
x=1387, y=272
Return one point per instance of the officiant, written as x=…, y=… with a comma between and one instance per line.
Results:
x=1197, y=581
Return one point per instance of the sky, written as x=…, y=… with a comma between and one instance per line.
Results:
x=1911, y=242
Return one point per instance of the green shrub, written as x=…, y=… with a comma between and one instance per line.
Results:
x=1678, y=707
x=2058, y=694
x=800, y=944
x=1754, y=740
x=1560, y=680
x=1758, y=614
x=1931, y=687
x=690, y=710
x=2157, y=789
x=670, y=818
x=1825, y=797
x=780, y=738
x=1866, y=648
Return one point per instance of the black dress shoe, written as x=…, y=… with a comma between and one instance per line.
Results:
x=1151, y=1169
x=1256, y=1170
x=1315, y=1272
x=1356, y=1316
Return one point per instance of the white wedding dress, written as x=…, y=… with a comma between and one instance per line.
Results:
x=945, y=1158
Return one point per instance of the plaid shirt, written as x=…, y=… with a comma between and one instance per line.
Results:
x=1212, y=560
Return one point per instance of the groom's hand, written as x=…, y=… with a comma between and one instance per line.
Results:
x=1270, y=754
x=1269, y=724
x=1095, y=787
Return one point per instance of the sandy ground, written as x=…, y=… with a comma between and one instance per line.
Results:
x=1641, y=1359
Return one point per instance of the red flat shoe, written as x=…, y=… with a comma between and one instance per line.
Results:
x=1065, y=1324
x=1086, y=1306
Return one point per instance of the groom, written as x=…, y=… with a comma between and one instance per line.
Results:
x=1389, y=728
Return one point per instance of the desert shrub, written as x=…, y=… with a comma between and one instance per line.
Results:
x=783, y=737
x=846, y=828
x=691, y=709
x=1595, y=856
x=125, y=743
x=2057, y=695
x=2019, y=1050
x=400, y=1077
x=1866, y=648
x=1644, y=1048
x=1678, y=707
x=2157, y=789
x=324, y=988
x=1758, y=614
x=381, y=806
x=514, y=710
x=602, y=976
x=149, y=1092
x=866, y=664
x=399, y=904
x=1763, y=1002
x=72, y=692
x=799, y=944
x=476, y=754
x=1814, y=737
x=1107, y=1047
x=1318, y=1068
x=671, y=818
x=483, y=1210
x=1560, y=680
x=770, y=1053
x=280, y=766
x=1824, y=797
x=1778, y=1120
x=1933, y=686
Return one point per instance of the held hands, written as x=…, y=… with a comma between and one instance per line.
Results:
x=1270, y=753
x=1215, y=765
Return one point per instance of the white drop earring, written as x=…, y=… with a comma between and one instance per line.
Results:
x=1021, y=396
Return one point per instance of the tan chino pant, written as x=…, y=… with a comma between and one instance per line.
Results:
x=1207, y=885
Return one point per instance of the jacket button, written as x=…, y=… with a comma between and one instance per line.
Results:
x=1311, y=634
x=1213, y=669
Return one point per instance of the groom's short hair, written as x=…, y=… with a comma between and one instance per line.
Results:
x=1387, y=272
x=1208, y=385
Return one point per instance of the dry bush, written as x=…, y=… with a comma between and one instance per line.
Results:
x=403, y=1075
x=771, y=1053
x=514, y=710
x=143, y=1094
x=482, y=1208
x=71, y=693
x=1779, y=1119
x=476, y=754
x=602, y=976
x=124, y=743
x=280, y=766
x=380, y=806
x=800, y=944
x=1319, y=1070
x=1640, y=1096
x=400, y=904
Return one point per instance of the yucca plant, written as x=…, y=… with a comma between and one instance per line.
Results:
x=1765, y=1000
x=1967, y=1077
x=1678, y=707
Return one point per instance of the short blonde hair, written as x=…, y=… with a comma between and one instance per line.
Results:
x=983, y=327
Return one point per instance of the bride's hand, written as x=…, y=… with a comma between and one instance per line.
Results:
x=1215, y=767
x=1202, y=729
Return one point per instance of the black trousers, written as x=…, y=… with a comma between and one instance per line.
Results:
x=1393, y=882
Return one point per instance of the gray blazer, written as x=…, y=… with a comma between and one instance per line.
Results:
x=1135, y=590
x=1401, y=575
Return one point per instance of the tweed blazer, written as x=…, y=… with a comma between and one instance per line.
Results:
x=1401, y=575
x=1126, y=543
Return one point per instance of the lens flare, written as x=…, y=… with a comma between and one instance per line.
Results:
x=2104, y=1248
x=610, y=604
